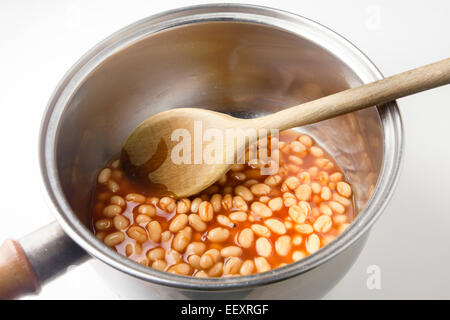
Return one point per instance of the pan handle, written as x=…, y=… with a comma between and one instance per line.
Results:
x=35, y=259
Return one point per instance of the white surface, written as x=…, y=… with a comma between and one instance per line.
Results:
x=40, y=40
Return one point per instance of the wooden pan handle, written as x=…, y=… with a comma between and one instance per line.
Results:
x=17, y=276
x=35, y=259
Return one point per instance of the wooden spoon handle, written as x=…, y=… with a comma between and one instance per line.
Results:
x=16, y=273
x=388, y=89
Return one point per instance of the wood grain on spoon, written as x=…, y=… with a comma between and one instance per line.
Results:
x=147, y=151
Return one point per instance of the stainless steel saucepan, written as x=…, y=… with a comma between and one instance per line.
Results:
x=239, y=59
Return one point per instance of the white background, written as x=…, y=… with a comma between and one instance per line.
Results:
x=40, y=40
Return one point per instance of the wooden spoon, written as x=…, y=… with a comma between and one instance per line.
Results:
x=155, y=149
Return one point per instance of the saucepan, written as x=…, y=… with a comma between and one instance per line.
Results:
x=243, y=60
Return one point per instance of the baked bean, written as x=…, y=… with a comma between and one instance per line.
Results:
x=206, y=211
x=275, y=225
x=316, y=188
x=323, y=223
x=216, y=202
x=101, y=235
x=264, y=199
x=232, y=265
x=195, y=204
x=197, y=248
x=225, y=221
x=325, y=209
x=120, y=222
x=298, y=255
x=137, y=233
x=342, y=200
x=273, y=180
x=154, y=231
x=243, y=192
x=250, y=183
x=283, y=245
x=298, y=148
x=113, y=186
x=133, y=248
x=336, y=177
x=135, y=197
x=237, y=167
x=239, y=176
x=197, y=223
x=180, y=241
x=297, y=213
x=201, y=274
x=292, y=182
x=297, y=240
x=312, y=243
x=260, y=189
x=306, y=140
x=179, y=222
x=103, y=224
x=216, y=270
x=159, y=265
x=218, y=234
x=260, y=230
x=295, y=160
x=153, y=201
x=166, y=236
x=340, y=218
x=156, y=254
x=325, y=194
x=167, y=204
x=316, y=151
x=247, y=268
x=180, y=268
x=238, y=216
x=227, y=202
x=303, y=192
x=324, y=163
x=304, y=228
x=214, y=254
x=183, y=206
x=261, y=210
x=275, y=204
x=336, y=207
x=323, y=178
x=173, y=257
x=117, y=200
x=262, y=265
x=142, y=219
x=263, y=247
x=113, y=239
x=239, y=203
x=305, y=177
x=231, y=251
x=194, y=260
x=246, y=238
x=206, y=261
x=112, y=210
x=115, y=164
x=288, y=225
